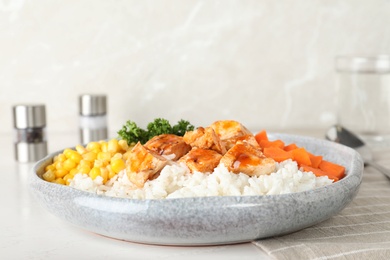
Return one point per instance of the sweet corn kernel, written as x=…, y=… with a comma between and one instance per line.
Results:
x=104, y=156
x=111, y=173
x=67, y=152
x=93, y=146
x=75, y=156
x=49, y=176
x=59, y=165
x=61, y=157
x=85, y=162
x=96, y=150
x=60, y=181
x=84, y=169
x=67, y=178
x=90, y=156
x=117, y=156
x=81, y=149
x=73, y=172
x=123, y=145
x=126, y=155
x=104, y=173
x=94, y=172
x=98, y=164
x=69, y=164
x=117, y=165
x=104, y=146
x=61, y=172
x=113, y=146
x=50, y=167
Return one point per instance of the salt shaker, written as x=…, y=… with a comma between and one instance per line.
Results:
x=30, y=132
x=93, y=117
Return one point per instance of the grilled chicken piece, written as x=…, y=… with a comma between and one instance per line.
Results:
x=226, y=129
x=249, y=138
x=230, y=132
x=201, y=160
x=168, y=144
x=245, y=158
x=204, y=138
x=143, y=164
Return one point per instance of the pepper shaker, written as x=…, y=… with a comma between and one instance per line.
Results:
x=93, y=118
x=30, y=132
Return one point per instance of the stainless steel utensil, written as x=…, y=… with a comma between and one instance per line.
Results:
x=341, y=135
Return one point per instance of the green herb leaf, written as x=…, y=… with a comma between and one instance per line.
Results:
x=158, y=127
x=133, y=134
x=182, y=127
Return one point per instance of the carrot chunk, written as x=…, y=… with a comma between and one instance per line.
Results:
x=262, y=135
x=301, y=156
x=332, y=168
x=318, y=172
x=277, y=143
x=290, y=147
x=315, y=160
x=276, y=153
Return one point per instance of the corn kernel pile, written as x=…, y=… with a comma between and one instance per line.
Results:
x=103, y=158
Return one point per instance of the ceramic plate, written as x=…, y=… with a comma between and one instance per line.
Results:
x=205, y=220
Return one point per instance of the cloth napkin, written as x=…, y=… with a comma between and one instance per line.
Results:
x=360, y=231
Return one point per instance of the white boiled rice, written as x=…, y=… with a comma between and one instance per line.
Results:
x=175, y=181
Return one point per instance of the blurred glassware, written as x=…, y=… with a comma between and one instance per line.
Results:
x=363, y=84
x=30, y=132
x=93, y=118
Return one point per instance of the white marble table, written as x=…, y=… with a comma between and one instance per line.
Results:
x=28, y=231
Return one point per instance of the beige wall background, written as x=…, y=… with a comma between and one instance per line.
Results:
x=268, y=64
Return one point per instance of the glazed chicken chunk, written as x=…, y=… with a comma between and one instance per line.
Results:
x=249, y=138
x=204, y=138
x=168, y=144
x=201, y=160
x=226, y=129
x=143, y=164
x=230, y=131
x=245, y=158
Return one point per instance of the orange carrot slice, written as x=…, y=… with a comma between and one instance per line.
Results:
x=301, y=156
x=315, y=160
x=318, y=172
x=277, y=154
x=332, y=168
x=262, y=135
x=290, y=147
x=277, y=143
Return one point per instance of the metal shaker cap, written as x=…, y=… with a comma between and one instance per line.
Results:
x=29, y=116
x=92, y=105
